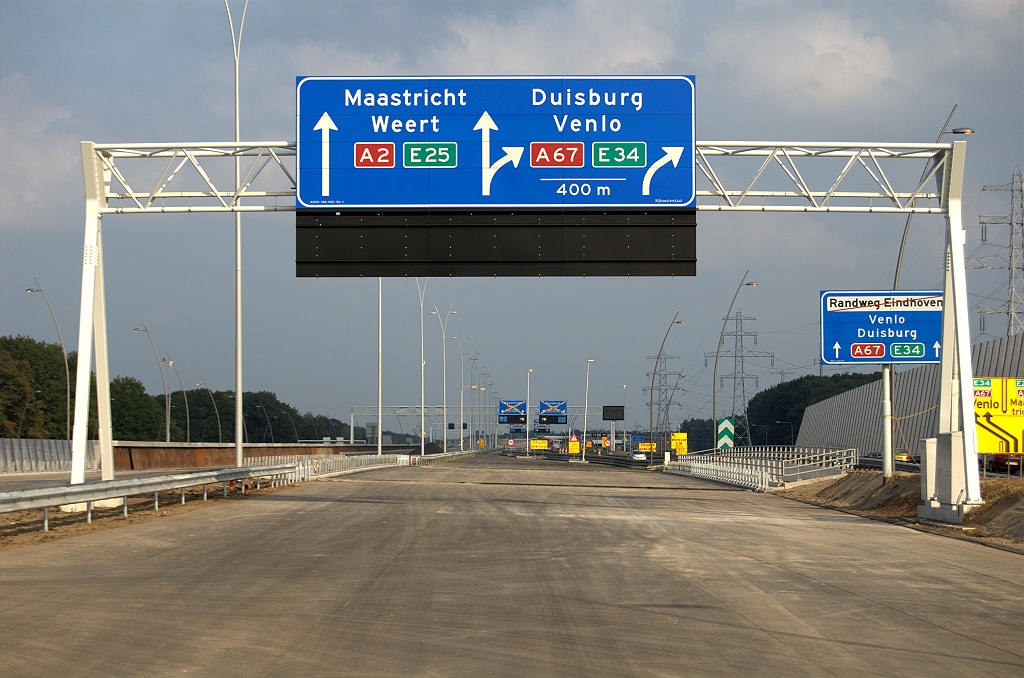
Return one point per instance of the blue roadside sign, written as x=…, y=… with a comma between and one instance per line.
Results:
x=516, y=141
x=903, y=326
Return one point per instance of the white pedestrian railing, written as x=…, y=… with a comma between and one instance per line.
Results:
x=766, y=467
x=313, y=466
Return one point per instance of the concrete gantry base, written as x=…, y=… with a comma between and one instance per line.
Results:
x=943, y=483
x=943, y=513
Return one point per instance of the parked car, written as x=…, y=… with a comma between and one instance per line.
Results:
x=1004, y=463
x=638, y=456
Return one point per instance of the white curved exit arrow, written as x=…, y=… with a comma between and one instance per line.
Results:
x=672, y=153
x=512, y=153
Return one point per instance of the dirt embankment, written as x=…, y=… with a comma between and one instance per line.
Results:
x=1001, y=518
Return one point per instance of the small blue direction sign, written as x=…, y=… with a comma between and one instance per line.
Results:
x=511, y=411
x=881, y=327
x=516, y=141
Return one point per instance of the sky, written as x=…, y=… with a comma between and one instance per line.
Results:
x=765, y=70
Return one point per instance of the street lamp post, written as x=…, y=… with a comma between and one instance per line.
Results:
x=462, y=390
x=215, y=411
x=472, y=397
x=624, y=427
x=259, y=405
x=528, y=373
x=67, y=372
x=650, y=429
x=718, y=352
x=160, y=366
x=423, y=433
x=888, y=459
x=790, y=430
x=236, y=47
x=444, y=368
x=586, y=404
x=188, y=422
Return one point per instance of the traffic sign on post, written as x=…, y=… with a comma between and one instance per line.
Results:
x=725, y=434
x=881, y=327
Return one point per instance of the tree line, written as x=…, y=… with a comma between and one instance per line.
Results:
x=33, y=404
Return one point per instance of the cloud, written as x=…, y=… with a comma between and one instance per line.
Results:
x=820, y=61
x=40, y=156
x=581, y=37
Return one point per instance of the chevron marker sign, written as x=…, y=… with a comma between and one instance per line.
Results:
x=726, y=435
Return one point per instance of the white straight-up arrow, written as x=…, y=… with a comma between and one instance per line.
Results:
x=325, y=126
x=672, y=153
x=837, y=347
x=937, y=346
x=512, y=153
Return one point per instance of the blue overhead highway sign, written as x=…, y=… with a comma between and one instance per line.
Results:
x=546, y=142
x=511, y=411
x=881, y=327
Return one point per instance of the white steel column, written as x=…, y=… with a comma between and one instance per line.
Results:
x=94, y=200
x=957, y=240
x=380, y=365
x=888, y=462
x=105, y=432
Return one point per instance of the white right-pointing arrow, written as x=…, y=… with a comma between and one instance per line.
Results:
x=837, y=347
x=672, y=153
x=325, y=125
x=937, y=346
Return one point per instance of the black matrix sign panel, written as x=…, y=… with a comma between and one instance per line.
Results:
x=495, y=243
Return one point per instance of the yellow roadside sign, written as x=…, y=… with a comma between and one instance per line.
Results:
x=648, y=447
x=539, y=444
x=680, y=444
x=574, y=444
x=999, y=414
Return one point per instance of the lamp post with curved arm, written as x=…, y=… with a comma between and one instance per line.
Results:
x=790, y=430
x=650, y=429
x=423, y=364
x=259, y=405
x=188, y=421
x=586, y=404
x=160, y=366
x=67, y=372
x=718, y=352
x=236, y=48
x=203, y=384
x=462, y=390
x=444, y=367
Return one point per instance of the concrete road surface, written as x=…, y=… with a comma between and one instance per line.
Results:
x=502, y=567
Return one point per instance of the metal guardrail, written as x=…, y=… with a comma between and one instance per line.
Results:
x=45, y=497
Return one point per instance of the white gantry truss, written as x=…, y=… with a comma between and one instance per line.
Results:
x=735, y=176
